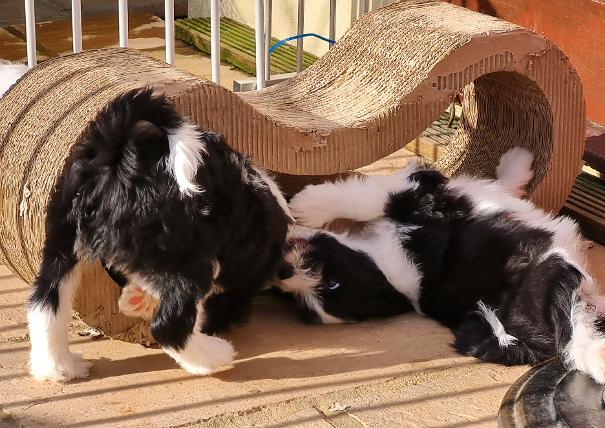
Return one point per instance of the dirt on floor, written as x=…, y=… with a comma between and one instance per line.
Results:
x=381, y=373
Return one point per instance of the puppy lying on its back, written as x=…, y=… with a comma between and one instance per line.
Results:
x=508, y=278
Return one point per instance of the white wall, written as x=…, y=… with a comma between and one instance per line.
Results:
x=285, y=12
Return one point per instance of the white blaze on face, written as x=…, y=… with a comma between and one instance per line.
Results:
x=304, y=282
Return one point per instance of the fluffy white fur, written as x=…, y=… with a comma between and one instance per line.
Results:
x=363, y=198
x=586, y=349
x=187, y=151
x=9, y=74
x=504, y=339
x=203, y=354
x=515, y=171
x=50, y=357
x=359, y=198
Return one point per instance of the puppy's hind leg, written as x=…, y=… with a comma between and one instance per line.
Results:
x=49, y=311
x=177, y=327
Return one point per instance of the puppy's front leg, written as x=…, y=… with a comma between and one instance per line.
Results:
x=176, y=326
x=358, y=198
x=49, y=314
x=225, y=308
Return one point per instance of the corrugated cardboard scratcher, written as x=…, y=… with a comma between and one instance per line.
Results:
x=384, y=82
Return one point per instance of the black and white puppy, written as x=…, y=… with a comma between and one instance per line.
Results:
x=166, y=207
x=508, y=278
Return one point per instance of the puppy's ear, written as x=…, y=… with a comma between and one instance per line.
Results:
x=285, y=271
x=429, y=180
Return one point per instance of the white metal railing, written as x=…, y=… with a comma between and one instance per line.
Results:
x=30, y=32
x=268, y=37
x=263, y=40
x=215, y=41
x=300, y=29
x=123, y=23
x=169, y=26
x=76, y=24
x=260, y=41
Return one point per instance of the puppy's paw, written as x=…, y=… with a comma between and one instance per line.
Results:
x=61, y=369
x=203, y=354
x=314, y=206
x=135, y=302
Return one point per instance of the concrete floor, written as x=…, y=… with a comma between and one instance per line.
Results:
x=382, y=373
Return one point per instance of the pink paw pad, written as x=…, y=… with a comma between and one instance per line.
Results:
x=135, y=302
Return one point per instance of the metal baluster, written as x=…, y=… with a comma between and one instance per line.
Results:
x=76, y=24
x=169, y=25
x=268, y=40
x=123, y=22
x=260, y=43
x=215, y=41
x=30, y=32
x=300, y=30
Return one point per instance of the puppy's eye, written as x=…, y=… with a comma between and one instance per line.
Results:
x=332, y=285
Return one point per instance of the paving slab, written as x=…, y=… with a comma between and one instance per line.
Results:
x=12, y=47
x=13, y=11
x=146, y=32
x=399, y=371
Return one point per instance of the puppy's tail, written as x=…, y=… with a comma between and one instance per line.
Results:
x=515, y=171
x=134, y=137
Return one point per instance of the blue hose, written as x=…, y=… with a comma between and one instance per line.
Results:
x=299, y=36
